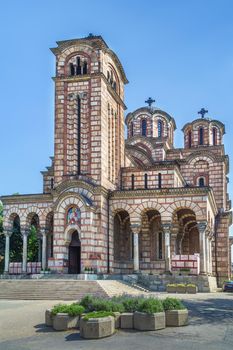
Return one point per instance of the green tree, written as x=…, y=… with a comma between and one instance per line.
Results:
x=33, y=244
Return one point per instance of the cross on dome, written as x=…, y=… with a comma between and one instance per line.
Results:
x=203, y=111
x=150, y=101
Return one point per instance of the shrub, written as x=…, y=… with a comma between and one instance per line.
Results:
x=107, y=305
x=72, y=309
x=172, y=304
x=151, y=306
x=129, y=303
x=97, y=314
x=191, y=285
x=171, y=285
x=181, y=285
x=87, y=302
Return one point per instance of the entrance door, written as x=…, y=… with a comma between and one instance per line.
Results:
x=75, y=254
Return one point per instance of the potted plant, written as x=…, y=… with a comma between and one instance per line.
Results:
x=66, y=316
x=47, y=271
x=181, y=288
x=171, y=288
x=176, y=313
x=150, y=315
x=191, y=288
x=98, y=324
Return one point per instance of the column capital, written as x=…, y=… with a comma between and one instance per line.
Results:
x=166, y=227
x=7, y=233
x=202, y=226
x=135, y=228
x=43, y=231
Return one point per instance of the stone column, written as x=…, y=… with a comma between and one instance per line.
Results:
x=207, y=253
x=44, y=248
x=167, y=238
x=135, y=229
x=202, y=232
x=7, y=252
x=25, y=251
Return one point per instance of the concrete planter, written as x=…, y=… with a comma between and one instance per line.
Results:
x=96, y=328
x=149, y=322
x=48, y=317
x=176, y=318
x=181, y=289
x=171, y=289
x=62, y=322
x=191, y=290
x=117, y=319
x=127, y=320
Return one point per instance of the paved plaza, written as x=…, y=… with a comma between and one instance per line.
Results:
x=210, y=327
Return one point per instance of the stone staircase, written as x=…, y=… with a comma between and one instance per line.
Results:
x=115, y=288
x=46, y=289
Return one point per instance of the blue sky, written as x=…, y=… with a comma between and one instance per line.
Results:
x=178, y=52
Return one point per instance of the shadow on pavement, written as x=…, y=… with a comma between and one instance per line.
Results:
x=210, y=311
x=42, y=328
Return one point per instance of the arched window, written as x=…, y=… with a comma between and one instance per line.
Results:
x=160, y=180
x=160, y=128
x=132, y=181
x=144, y=127
x=201, y=182
x=52, y=183
x=131, y=129
x=73, y=216
x=146, y=181
x=201, y=136
x=214, y=130
x=190, y=139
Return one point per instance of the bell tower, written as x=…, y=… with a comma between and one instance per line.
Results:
x=89, y=112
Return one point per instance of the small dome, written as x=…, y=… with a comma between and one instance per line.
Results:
x=203, y=132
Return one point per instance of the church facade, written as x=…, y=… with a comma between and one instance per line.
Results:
x=116, y=205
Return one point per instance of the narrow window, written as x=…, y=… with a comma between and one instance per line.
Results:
x=160, y=245
x=201, y=182
x=201, y=136
x=132, y=181
x=78, y=67
x=146, y=181
x=131, y=129
x=71, y=69
x=160, y=128
x=214, y=136
x=111, y=78
x=51, y=246
x=144, y=127
x=85, y=67
x=190, y=139
x=108, y=76
x=52, y=183
x=160, y=180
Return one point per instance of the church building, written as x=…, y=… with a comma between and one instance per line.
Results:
x=116, y=205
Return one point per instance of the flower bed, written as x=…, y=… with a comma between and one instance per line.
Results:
x=181, y=288
x=98, y=317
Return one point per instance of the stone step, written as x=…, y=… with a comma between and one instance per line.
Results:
x=49, y=289
x=116, y=288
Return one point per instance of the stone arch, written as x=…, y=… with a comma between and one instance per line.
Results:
x=9, y=216
x=122, y=237
x=206, y=156
x=186, y=204
x=118, y=206
x=30, y=213
x=70, y=198
x=70, y=229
